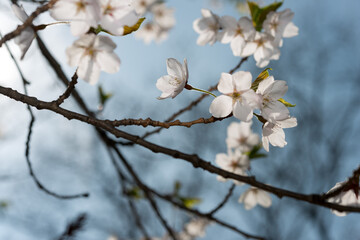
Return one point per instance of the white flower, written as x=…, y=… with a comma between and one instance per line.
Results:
x=236, y=33
x=115, y=14
x=239, y=135
x=274, y=134
x=254, y=196
x=171, y=85
x=237, y=97
x=163, y=16
x=263, y=48
x=26, y=37
x=142, y=6
x=83, y=14
x=151, y=31
x=196, y=227
x=279, y=25
x=208, y=27
x=345, y=197
x=92, y=53
x=270, y=91
x=235, y=162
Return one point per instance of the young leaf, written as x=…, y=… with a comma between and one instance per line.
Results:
x=262, y=76
x=103, y=97
x=287, y=104
x=190, y=202
x=258, y=14
x=254, y=153
x=128, y=30
x=134, y=192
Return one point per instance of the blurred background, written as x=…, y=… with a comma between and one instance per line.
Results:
x=321, y=66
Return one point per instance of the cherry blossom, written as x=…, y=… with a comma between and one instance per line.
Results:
x=163, y=16
x=92, y=53
x=254, y=196
x=235, y=162
x=115, y=14
x=208, y=27
x=26, y=37
x=196, y=227
x=151, y=31
x=279, y=25
x=237, y=97
x=271, y=91
x=263, y=48
x=239, y=135
x=171, y=85
x=237, y=33
x=345, y=197
x=83, y=14
x=274, y=134
x=142, y=6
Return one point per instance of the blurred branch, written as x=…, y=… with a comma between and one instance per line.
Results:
x=223, y=202
x=28, y=139
x=73, y=227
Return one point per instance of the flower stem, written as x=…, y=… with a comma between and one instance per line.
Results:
x=199, y=90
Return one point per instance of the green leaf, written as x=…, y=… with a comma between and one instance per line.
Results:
x=190, y=202
x=134, y=192
x=254, y=153
x=103, y=97
x=130, y=29
x=258, y=14
x=262, y=76
x=287, y=104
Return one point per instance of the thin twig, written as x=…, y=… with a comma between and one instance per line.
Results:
x=224, y=201
x=147, y=193
x=28, y=139
x=75, y=226
x=68, y=90
x=122, y=180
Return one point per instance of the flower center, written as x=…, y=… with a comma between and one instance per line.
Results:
x=242, y=140
x=108, y=10
x=239, y=32
x=175, y=81
x=80, y=6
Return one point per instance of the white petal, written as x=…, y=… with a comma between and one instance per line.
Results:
x=287, y=123
x=79, y=27
x=225, y=84
x=108, y=62
x=290, y=30
x=237, y=45
x=242, y=111
x=264, y=84
x=221, y=106
x=242, y=80
x=19, y=12
x=249, y=49
x=174, y=68
x=88, y=70
x=276, y=90
x=263, y=198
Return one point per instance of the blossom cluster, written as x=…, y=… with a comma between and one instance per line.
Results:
x=92, y=53
x=245, y=40
x=163, y=20
x=241, y=141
